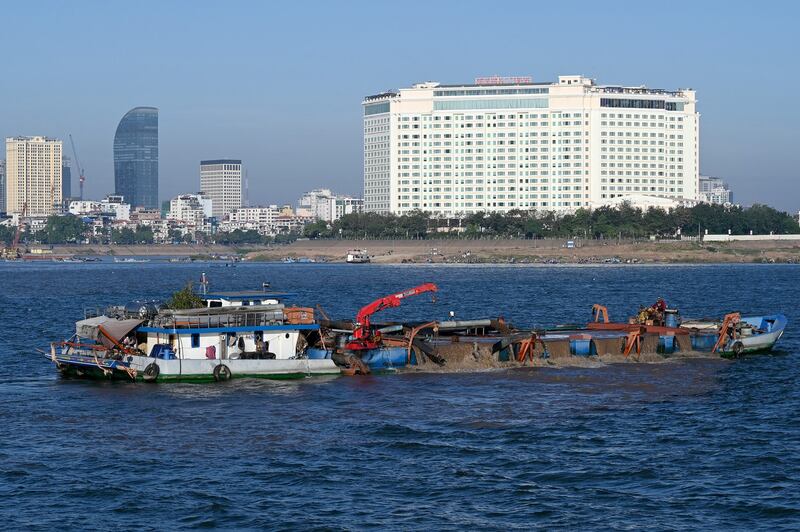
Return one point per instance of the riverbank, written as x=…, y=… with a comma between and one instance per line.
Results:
x=476, y=251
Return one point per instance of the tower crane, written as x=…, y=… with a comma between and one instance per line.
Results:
x=81, y=177
x=363, y=338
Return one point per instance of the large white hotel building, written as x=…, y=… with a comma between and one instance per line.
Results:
x=509, y=143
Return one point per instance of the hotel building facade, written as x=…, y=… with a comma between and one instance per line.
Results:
x=508, y=143
x=221, y=180
x=33, y=176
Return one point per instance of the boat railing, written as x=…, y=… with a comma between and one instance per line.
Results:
x=92, y=313
x=206, y=321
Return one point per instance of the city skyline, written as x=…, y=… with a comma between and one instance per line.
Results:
x=292, y=112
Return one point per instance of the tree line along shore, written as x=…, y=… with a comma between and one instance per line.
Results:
x=601, y=234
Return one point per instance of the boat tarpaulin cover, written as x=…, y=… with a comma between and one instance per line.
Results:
x=116, y=329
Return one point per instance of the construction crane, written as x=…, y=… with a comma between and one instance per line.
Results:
x=12, y=252
x=363, y=337
x=81, y=177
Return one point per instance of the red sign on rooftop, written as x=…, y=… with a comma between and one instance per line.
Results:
x=503, y=80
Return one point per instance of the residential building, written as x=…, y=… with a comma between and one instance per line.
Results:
x=33, y=175
x=136, y=157
x=322, y=204
x=191, y=209
x=117, y=205
x=2, y=185
x=261, y=219
x=714, y=190
x=509, y=143
x=110, y=205
x=221, y=180
x=316, y=204
x=342, y=205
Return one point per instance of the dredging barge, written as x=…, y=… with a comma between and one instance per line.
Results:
x=255, y=335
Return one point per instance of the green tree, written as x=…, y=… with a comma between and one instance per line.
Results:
x=185, y=298
x=66, y=229
x=124, y=236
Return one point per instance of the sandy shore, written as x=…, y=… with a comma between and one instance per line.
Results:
x=478, y=251
x=537, y=251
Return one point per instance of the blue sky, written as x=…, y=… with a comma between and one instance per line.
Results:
x=279, y=85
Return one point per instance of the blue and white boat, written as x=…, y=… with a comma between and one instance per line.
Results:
x=742, y=335
x=235, y=335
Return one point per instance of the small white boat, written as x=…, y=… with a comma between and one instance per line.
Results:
x=737, y=335
x=357, y=256
x=130, y=260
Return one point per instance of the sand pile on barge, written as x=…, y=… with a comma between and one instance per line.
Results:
x=476, y=357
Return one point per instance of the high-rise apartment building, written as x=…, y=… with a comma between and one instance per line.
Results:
x=509, y=143
x=2, y=185
x=221, y=180
x=33, y=175
x=136, y=157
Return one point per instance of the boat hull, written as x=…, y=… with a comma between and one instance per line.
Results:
x=135, y=368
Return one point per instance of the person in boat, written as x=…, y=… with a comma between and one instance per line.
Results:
x=657, y=310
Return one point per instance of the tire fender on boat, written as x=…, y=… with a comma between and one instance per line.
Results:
x=151, y=372
x=737, y=348
x=222, y=373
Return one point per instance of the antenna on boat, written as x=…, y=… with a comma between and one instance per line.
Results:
x=204, y=282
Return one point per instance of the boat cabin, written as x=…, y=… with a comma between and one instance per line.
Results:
x=243, y=299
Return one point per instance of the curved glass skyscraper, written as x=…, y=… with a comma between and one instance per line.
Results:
x=136, y=157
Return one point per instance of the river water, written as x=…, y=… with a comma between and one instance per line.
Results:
x=700, y=443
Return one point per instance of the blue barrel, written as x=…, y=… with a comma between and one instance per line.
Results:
x=703, y=342
x=581, y=346
x=671, y=318
x=667, y=344
x=315, y=353
x=387, y=357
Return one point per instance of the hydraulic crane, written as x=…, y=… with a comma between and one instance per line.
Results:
x=363, y=337
x=81, y=177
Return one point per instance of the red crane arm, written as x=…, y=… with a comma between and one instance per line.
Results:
x=394, y=300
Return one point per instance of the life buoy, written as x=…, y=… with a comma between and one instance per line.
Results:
x=151, y=372
x=222, y=373
x=738, y=348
